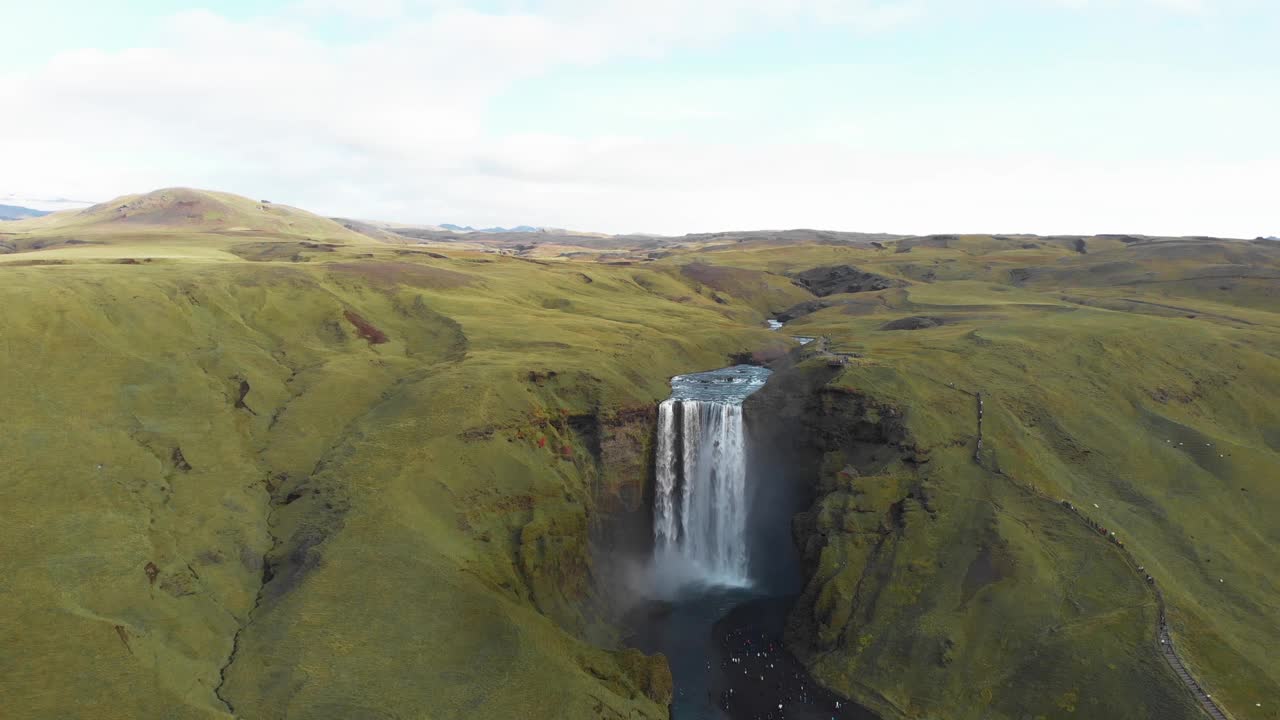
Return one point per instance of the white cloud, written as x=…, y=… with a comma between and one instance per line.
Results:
x=395, y=125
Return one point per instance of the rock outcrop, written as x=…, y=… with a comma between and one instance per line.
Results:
x=837, y=279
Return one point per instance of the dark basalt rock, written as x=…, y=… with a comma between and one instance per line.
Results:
x=800, y=310
x=915, y=322
x=835, y=279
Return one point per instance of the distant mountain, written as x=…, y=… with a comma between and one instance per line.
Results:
x=42, y=203
x=468, y=228
x=14, y=212
x=185, y=213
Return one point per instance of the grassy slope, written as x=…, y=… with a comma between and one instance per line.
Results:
x=421, y=509
x=1166, y=422
x=427, y=551
x=174, y=219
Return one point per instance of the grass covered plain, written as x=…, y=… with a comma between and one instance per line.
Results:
x=1160, y=425
x=260, y=465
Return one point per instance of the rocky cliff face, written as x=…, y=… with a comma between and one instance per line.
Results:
x=567, y=550
x=868, y=499
x=932, y=588
x=623, y=488
x=862, y=488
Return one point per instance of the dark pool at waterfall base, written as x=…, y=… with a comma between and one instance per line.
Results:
x=723, y=640
x=757, y=678
x=728, y=662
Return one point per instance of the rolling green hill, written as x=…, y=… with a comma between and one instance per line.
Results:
x=200, y=219
x=261, y=465
x=1136, y=381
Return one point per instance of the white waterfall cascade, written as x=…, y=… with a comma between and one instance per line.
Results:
x=700, y=507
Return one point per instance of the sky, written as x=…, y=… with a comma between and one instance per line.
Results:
x=664, y=116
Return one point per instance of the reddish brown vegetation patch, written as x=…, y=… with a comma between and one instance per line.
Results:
x=167, y=207
x=397, y=273
x=365, y=329
x=719, y=277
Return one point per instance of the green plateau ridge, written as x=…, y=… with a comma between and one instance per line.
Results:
x=261, y=465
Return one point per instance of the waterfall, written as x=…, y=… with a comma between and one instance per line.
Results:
x=700, y=498
x=664, y=512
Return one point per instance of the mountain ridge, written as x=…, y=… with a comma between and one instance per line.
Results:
x=17, y=212
x=178, y=212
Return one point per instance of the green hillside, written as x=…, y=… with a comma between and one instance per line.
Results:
x=1137, y=382
x=171, y=218
x=261, y=465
